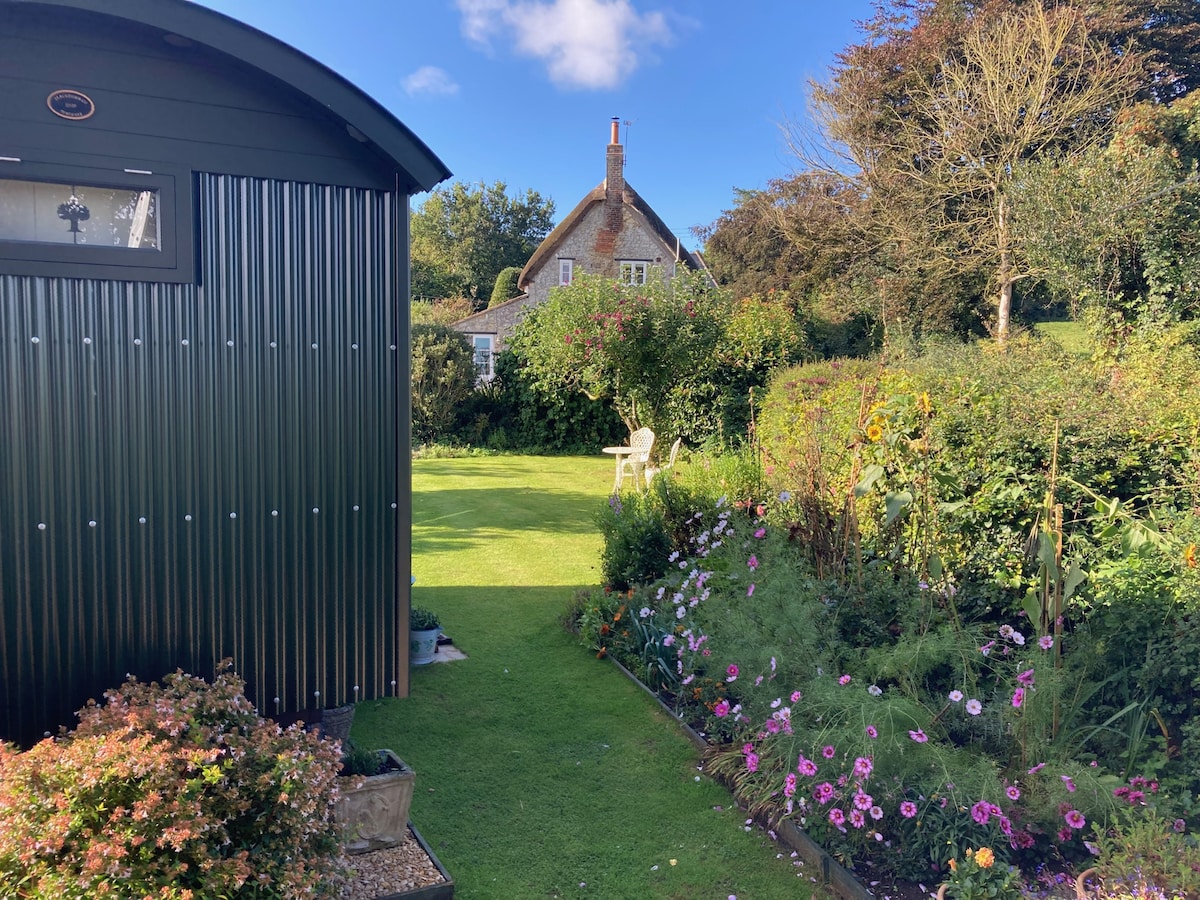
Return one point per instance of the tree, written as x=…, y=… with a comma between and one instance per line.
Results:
x=1023, y=84
x=636, y=345
x=506, y=286
x=443, y=376
x=463, y=237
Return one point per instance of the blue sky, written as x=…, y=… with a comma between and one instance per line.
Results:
x=523, y=91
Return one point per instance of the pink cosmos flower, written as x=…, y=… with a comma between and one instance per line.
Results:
x=987, y=648
x=919, y=736
x=908, y=809
x=827, y=751
x=1046, y=641
x=1036, y=769
x=974, y=707
x=751, y=762
x=1013, y=792
x=845, y=679
x=1006, y=631
x=796, y=696
x=1066, y=779
x=871, y=732
x=721, y=709
x=836, y=816
x=1018, y=639
x=750, y=590
x=773, y=726
x=857, y=819
x=807, y=767
x=752, y=562
x=1026, y=678
x=956, y=696
x=981, y=812
x=863, y=801
x=1075, y=819
x=876, y=813
x=732, y=671
x=1018, y=698
x=863, y=767
x=761, y=533
x=823, y=792
x=789, y=784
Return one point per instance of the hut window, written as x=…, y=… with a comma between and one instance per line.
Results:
x=52, y=213
x=88, y=222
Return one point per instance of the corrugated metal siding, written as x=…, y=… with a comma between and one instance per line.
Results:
x=195, y=472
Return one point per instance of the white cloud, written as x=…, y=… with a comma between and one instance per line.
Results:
x=430, y=80
x=584, y=43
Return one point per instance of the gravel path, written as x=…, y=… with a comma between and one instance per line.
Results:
x=379, y=873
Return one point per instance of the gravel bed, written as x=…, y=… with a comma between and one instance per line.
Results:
x=379, y=873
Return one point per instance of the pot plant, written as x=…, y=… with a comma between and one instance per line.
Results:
x=423, y=630
x=375, y=796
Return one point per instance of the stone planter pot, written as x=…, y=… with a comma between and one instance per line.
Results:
x=375, y=815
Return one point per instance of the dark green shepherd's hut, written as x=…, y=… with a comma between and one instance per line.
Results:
x=204, y=438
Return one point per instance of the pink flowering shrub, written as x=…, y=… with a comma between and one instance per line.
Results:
x=179, y=790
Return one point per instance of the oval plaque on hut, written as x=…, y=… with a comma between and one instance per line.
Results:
x=68, y=104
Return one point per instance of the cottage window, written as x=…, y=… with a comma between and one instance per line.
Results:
x=82, y=221
x=484, y=358
x=633, y=271
x=566, y=271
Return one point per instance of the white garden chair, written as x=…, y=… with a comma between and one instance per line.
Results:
x=651, y=471
x=641, y=442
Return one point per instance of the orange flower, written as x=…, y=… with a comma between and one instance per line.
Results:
x=984, y=857
x=953, y=866
x=1189, y=556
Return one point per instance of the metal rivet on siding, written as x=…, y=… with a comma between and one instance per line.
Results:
x=137, y=342
x=91, y=523
x=393, y=506
x=184, y=342
x=392, y=347
x=141, y=520
x=229, y=343
x=233, y=515
x=87, y=340
x=41, y=526
x=188, y=517
x=275, y=512
x=314, y=346
x=316, y=509
x=355, y=507
x=393, y=686
x=35, y=340
x=354, y=346
x=273, y=345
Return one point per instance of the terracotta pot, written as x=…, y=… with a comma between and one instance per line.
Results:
x=1080, y=890
x=375, y=815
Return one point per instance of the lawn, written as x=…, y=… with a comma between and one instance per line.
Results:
x=542, y=771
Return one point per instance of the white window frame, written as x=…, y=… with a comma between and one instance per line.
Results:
x=566, y=271
x=634, y=271
x=483, y=346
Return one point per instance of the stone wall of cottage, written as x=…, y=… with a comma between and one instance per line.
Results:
x=499, y=320
x=597, y=248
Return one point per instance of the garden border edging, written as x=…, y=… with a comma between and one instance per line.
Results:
x=833, y=873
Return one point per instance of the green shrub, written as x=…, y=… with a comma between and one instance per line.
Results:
x=636, y=541
x=177, y=790
x=443, y=376
x=506, y=286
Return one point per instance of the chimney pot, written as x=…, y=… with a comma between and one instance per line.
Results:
x=616, y=131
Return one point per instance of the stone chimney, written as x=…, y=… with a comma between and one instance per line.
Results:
x=614, y=173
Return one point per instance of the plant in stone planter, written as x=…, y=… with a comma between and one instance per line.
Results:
x=423, y=629
x=374, y=800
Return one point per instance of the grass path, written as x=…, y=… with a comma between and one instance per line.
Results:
x=541, y=771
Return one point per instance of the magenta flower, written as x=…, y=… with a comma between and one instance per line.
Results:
x=1046, y=641
x=863, y=801
x=827, y=751
x=1066, y=779
x=1013, y=792
x=721, y=709
x=981, y=812
x=732, y=671
x=845, y=679
x=807, y=767
x=1018, y=698
x=750, y=590
x=796, y=696
x=1018, y=639
x=876, y=813
x=1075, y=819
x=836, y=816
x=1026, y=678
x=871, y=732
x=863, y=767
x=751, y=762
x=908, y=809
x=919, y=736
x=987, y=648
x=857, y=819
x=752, y=562
x=1036, y=769
x=789, y=784
x=761, y=533
x=823, y=792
